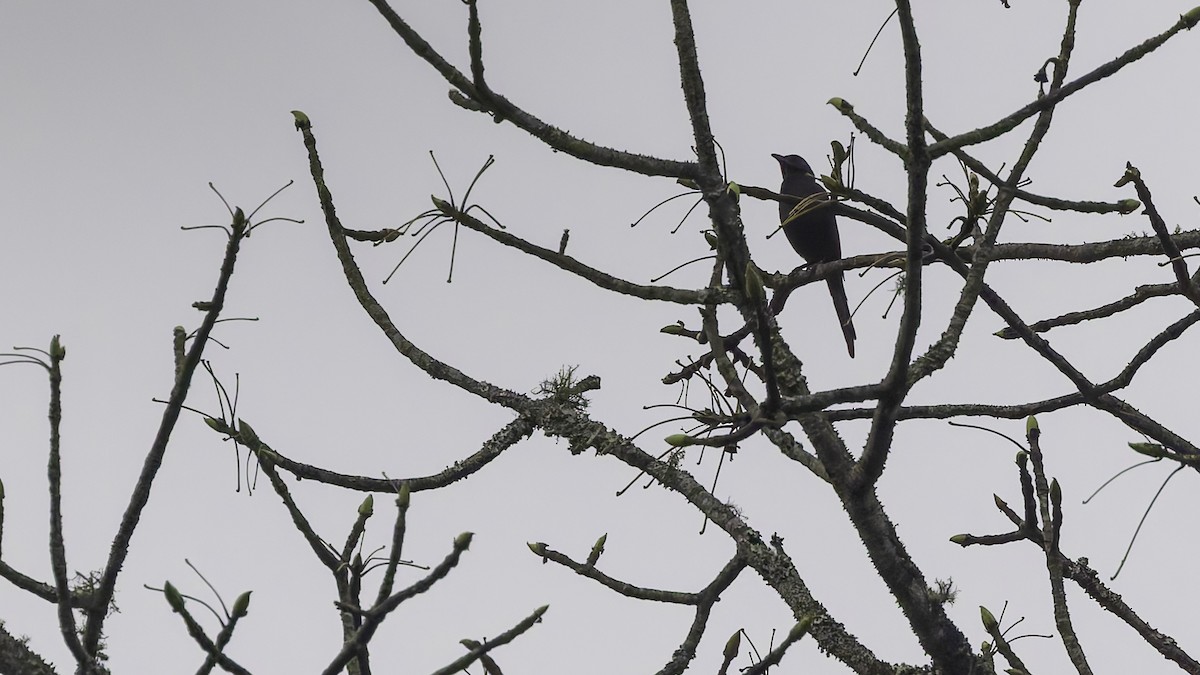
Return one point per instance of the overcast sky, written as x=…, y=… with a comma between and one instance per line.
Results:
x=115, y=116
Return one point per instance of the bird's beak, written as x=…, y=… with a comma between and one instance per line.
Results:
x=778, y=158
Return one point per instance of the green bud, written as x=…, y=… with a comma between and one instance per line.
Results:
x=597, y=549
x=1030, y=424
x=461, y=101
x=754, y=283
x=841, y=104
x=679, y=440
x=241, y=606
x=839, y=152
x=302, y=121
x=1055, y=493
x=989, y=620
x=174, y=599
x=800, y=629
x=1022, y=458
x=675, y=329
x=538, y=548
x=403, y=496
x=688, y=183
x=537, y=613
x=734, y=188
x=1191, y=18
x=470, y=644
x=463, y=541
x=247, y=435
x=217, y=425
x=57, y=351
x=732, y=645
x=239, y=219
x=961, y=539
x=266, y=455
x=367, y=507
x=711, y=238
x=1149, y=449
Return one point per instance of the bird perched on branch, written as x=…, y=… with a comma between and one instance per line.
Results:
x=814, y=233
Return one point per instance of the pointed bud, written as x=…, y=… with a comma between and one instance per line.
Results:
x=367, y=507
x=841, y=104
x=961, y=539
x=597, y=549
x=1022, y=458
x=1055, y=493
x=1031, y=424
x=241, y=606
x=732, y=645
x=174, y=599
x=675, y=329
x=266, y=455
x=537, y=613
x=57, y=351
x=800, y=629
x=538, y=548
x=302, y=121
x=1149, y=449
x=1129, y=205
x=463, y=541
x=735, y=189
x=217, y=425
x=239, y=219
x=403, y=496
x=247, y=435
x=679, y=440
x=839, y=152
x=711, y=238
x=989, y=620
x=1192, y=17
x=688, y=183
x=754, y=284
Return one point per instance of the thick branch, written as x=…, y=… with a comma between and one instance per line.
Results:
x=506, y=110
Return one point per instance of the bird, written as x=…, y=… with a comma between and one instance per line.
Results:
x=814, y=235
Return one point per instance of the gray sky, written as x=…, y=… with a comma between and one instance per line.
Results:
x=116, y=115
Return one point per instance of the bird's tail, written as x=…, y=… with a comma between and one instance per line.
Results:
x=842, y=306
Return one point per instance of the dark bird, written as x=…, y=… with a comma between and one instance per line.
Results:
x=814, y=235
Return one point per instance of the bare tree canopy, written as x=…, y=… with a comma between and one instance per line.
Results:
x=528, y=377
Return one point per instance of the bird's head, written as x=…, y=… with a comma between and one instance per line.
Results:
x=793, y=164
